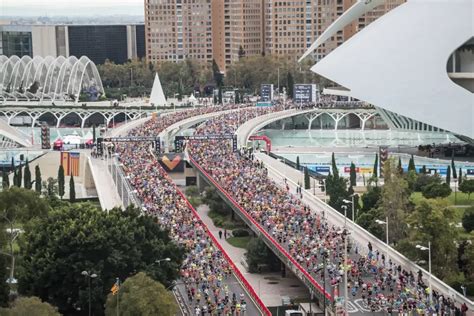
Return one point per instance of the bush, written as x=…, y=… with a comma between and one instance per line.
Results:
x=424, y=180
x=192, y=191
x=435, y=190
x=240, y=233
x=468, y=220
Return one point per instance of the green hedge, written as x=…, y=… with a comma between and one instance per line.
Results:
x=240, y=233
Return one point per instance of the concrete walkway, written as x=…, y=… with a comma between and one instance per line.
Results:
x=104, y=183
x=270, y=287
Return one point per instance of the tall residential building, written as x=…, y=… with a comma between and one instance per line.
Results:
x=330, y=10
x=290, y=26
x=178, y=29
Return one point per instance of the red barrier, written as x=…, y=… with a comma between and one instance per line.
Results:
x=236, y=271
x=263, y=231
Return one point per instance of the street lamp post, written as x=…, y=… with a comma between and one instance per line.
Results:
x=378, y=221
x=345, y=234
x=423, y=248
x=353, y=206
x=345, y=215
x=89, y=276
x=161, y=260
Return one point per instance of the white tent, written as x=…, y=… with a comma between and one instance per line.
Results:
x=192, y=99
x=157, y=97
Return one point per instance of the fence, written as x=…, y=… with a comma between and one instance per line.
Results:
x=315, y=288
x=126, y=192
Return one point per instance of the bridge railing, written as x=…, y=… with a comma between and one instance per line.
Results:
x=124, y=189
x=363, y=237
x=315, y=288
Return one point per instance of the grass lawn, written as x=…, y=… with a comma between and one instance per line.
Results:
x=461, y=198
x=239, y=242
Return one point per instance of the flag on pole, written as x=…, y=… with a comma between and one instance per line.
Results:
x=74, y=163
x=116, y=287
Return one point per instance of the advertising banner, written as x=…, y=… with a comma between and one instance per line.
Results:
x=172, y=162
x=305, y=93
x=266, y=92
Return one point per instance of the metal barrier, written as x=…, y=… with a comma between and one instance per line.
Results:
x=124, y=189
x=315, y=288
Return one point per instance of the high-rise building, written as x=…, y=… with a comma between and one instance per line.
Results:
x=224, y=30
x=176, y=29
x=290, y=26
x=330, y=10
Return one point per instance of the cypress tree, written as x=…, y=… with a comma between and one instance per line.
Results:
x=19, y=176
x=411, y=164
x=291, y=83
x=448, y=175
x=61, y=181
x=335, y=171
x=400, y=167
x=220, y=95
x=375, y=172
x=5, y=179
x=423, y=169
x=27, y=176
x=307, y=184
x=460, y=175
x=298, y=162
x=38, y=180
x=353, y=175
x=72, y=190
x=453, y=168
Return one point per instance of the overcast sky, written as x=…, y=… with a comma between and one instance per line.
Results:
x=70, y=7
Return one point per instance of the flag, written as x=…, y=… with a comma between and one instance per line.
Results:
x=74, y=159
x=65, y=162
x=116, y=287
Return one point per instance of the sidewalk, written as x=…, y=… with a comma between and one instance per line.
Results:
x=270, y=287
x=105, y=186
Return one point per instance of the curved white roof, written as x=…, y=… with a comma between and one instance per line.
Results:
x=48, y=78
x=399, y=63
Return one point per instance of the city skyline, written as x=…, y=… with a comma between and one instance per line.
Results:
x=70, y=8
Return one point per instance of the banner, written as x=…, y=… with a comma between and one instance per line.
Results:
x=266, y=92
x=74, y=163
x=64, y=161
x=305, y=93
x=172, y=162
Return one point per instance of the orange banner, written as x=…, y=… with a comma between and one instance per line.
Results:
x=65, y=162
x=74, y=159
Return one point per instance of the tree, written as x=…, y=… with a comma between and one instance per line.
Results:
x=467, y=186
x=432, y=220
x=241, y=52
x=38, y=180
x=424, y=180
x=61, y=181
x=219, y=95
x=353, y=175
x=78, y=237
x=468, y=219
x=4, y=287
x=448, y=175
x=394, y=202
x=50, y=187
x=29, y=306
x=141, y=295
x=19, y=175
x=411, y=164
x=5, y=179
x=27, y=176
x=72, y=190
x=375, y=172
x=336, y=188
x=460, y=176
x=423, y=169
x=307, y=184
x=15, y=178
x=453, y=167
x=258, y=253
x=400, y=168
x=436, y=190
x=291, y=83
x=371, y=198
x=218, y=76
x=335, y=171
x=298, y=162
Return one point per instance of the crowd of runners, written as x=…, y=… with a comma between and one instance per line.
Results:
x=205, y=272
x=308, y=237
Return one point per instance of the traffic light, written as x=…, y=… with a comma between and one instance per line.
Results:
x=45, y=137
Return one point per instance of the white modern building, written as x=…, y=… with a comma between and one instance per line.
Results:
x=415, y=63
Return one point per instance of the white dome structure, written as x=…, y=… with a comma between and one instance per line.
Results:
x=55, y=79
